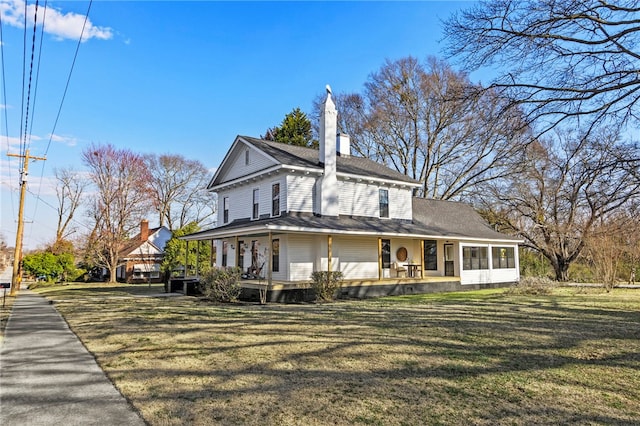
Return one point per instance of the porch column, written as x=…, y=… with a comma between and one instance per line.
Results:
x=198, y=258
x=422, y=258
x=186, y=265
x=186, y=260
x=211, y=254
x=269, y=260
x=379, y=258
x=329, y=244
x=237, y=255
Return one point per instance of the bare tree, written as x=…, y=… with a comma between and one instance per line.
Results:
x=606, y=247
x=178, y=191
x=429, y=122
x=564, y=188
x=69, y=190
x=562, y=59
x=122, y=198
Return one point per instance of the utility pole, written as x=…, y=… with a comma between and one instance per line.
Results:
x=16, y=278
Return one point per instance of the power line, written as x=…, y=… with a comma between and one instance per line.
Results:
x=45, y=202
x=75, y=56
x=27, y=136
x=35, y=90
x=4, y=103
x=55, y=124
x=24, y=72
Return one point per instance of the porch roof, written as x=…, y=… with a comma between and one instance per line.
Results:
x=432, y=219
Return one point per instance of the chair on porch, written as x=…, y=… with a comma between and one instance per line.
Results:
x=399, y=269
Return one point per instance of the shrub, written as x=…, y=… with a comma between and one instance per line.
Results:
x=221, y=284
x=532, y=286
x=325, y=284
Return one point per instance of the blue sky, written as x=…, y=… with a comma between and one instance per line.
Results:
x=184, y=77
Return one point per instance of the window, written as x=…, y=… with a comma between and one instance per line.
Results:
x=225, y=249
x=275, y=255
x=386, y=254
x=256, y=204
x=225, y=210
x=246, y=157
x=384, y=203
x=241, y=254
x=503, y=257
x=430, y=255
x=275, y=199
x=254, y=256
x=214, y=254
x=146, y=271
x=475, y=258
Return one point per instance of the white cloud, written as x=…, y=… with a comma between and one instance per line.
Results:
x=66, y=140
x=57, y=23
x=11, y=141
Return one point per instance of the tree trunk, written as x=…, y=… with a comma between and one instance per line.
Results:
x=561, y=268
x=113, y=269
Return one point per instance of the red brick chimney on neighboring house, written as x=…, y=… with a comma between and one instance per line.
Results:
x=144, y=230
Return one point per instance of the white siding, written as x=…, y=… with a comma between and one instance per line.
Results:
x=400, y=203
x=241, y=199
x=300, y=257
x=235, y=166
x=358, y=257
x=145, y=249
x=358, y=199
x=300, y=193
x=363, y=199
x=240, y=204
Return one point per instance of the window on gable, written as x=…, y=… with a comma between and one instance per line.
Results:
x=384, y=203
x=256, y=204
x=275, y=199
x=246, y=157
x=225, y=210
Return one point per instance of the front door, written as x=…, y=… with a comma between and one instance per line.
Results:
x=448, y=260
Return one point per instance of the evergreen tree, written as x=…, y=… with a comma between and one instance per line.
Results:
x=295, y=129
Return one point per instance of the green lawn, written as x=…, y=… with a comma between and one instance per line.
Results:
x=484, y=357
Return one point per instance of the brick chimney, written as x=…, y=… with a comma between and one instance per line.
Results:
x=144, y=230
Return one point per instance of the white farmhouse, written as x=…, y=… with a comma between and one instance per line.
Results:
x=286, y=211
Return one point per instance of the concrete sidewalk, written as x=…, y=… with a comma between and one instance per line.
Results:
x=47, y=377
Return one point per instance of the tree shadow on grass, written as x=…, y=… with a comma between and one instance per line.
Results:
x=482, y=361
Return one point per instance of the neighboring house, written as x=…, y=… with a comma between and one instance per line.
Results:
x=143, y=254
x=286, y=211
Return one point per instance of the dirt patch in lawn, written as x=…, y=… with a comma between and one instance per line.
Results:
x=464, y=358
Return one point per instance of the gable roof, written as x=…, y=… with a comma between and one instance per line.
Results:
x=136, y=242
x=308, y=158
x=431, y=219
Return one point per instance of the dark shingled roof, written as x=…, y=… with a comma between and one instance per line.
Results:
x=430, y=218
x=135, y=242
x=453, y=219
x=292, y=155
